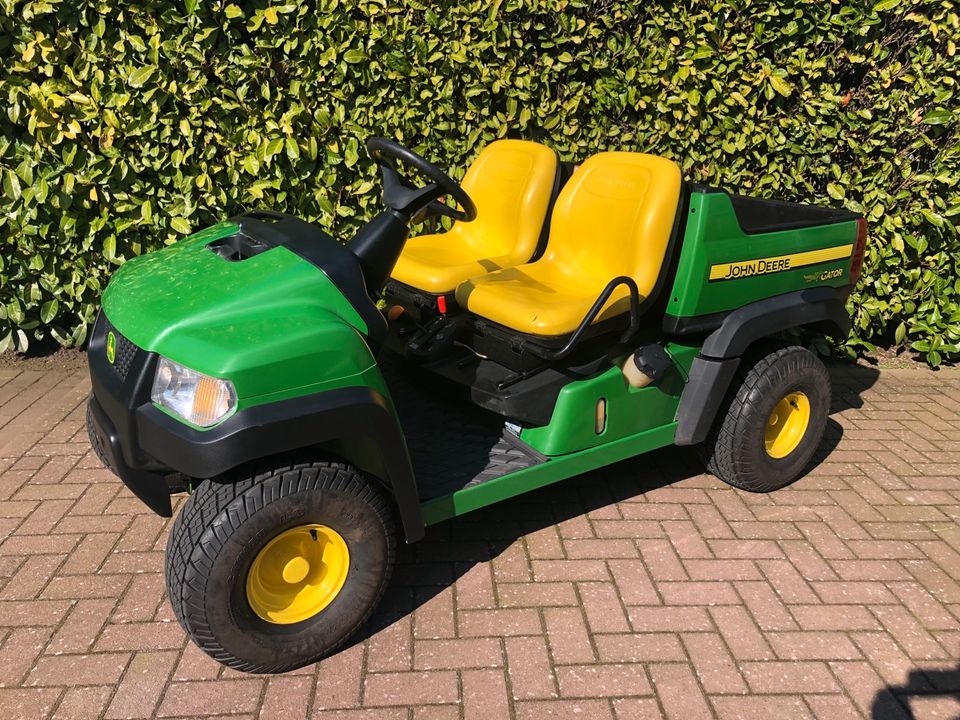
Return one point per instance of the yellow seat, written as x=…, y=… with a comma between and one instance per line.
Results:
x=614, y=217
x=512, y=183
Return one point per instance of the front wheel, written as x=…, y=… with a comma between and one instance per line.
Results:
x=280, y=568
x=773, y=423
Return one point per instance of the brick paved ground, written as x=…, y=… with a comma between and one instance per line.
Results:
x=642, y=591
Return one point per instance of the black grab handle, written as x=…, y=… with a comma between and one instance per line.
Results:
x=595, y=310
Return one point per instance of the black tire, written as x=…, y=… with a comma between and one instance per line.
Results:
x=223, y=526
x=735, y=449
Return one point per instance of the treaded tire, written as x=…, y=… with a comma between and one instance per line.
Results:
x=735, y=447
x=223, y=526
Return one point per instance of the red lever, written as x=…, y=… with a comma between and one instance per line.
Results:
x=442, y=304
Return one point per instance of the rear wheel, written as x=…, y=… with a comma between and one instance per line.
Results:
x=280, y=568
x=772, y=423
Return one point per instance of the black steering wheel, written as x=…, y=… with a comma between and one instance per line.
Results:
x=417, y=203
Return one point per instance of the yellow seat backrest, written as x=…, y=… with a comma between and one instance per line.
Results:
x=512, y=183
x=614, y=217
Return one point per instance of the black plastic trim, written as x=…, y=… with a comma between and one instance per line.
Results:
x=693, y=325
x=263, y=430
x=714, y=367
x=757, y=216
x=706, y=387
x=766, y=317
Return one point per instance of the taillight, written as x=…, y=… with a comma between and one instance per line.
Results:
x=856, y=260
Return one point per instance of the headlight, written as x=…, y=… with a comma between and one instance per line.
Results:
x=197, y=398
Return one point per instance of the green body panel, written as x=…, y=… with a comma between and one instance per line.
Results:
x=630, y=410
x=546, y=473
x=274, y=324
x=714, y=237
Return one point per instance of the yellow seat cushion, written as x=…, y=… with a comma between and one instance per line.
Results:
x=614, y=217
x=511, y=182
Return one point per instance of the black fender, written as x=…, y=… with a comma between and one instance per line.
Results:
x=356, y=423
x=716, y=364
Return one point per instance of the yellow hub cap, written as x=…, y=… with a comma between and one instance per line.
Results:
x=787, y=425
x=297, y=574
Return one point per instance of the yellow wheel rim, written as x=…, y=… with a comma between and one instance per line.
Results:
x=787, y=425
x=297, y=574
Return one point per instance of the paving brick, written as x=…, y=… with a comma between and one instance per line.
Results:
x=19, y=650
x=537, y=594
x=639, y=648
x=341, y=680
x=761, y=708
x=563, y=710
x=678, y=692
x=633, y=582
x=661, y=560
x=698, y=593
x=717, y=570
x=834, y=617
x=566, y=570
x=28, y=703
x=568, y=636
x=782, y=678
x=392, y=647
x=531, y=676
x=584, y=681
x=592, y=548
x=455, y=654
x=142, y=685
x=603, y=608
x=713, y=664
x=81, y=627
x=832, y=707
x=18, y=613
x=670, y=619
x=287, y=698
x=741, y=633
x=485, y=695
x=474, y=588
x=812, y=646
x=505, y=622
x=225, y=697
x=411, y=688
x=83, y=703
x=95, y=669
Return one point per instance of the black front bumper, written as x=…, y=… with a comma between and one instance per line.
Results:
x=148, y=449
x=119, y=388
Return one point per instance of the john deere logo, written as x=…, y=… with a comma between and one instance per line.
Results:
x=111, y=347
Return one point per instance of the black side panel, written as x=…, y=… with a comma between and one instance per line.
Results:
x=321, y=250
x=701, y=398
x=758, y=215
x=713, y=368
x=264, y=430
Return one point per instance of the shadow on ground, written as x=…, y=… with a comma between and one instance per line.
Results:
x=450, y=549
x=895, y=701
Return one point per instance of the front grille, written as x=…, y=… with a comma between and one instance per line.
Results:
x=125, y=350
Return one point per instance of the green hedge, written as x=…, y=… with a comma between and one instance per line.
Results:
x=126, y=125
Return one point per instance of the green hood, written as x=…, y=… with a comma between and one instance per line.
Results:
x=273, y=324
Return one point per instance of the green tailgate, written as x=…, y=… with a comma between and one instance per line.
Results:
x=722, y=268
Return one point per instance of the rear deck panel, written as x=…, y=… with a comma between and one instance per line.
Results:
x=724, y=266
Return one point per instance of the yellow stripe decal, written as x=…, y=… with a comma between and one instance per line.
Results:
x=780, y=263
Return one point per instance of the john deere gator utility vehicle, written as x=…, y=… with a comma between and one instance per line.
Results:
x=570, y=318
